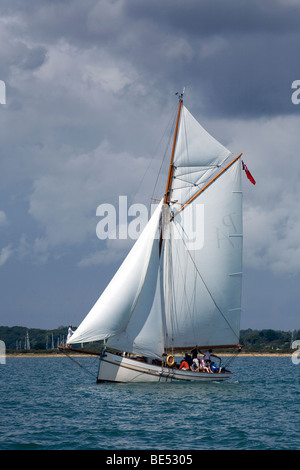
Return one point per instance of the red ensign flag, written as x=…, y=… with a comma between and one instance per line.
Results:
x=249, y=176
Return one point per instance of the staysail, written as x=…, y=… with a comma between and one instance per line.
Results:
x=136, y=279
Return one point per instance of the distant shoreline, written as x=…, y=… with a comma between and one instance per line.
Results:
x=89, y=355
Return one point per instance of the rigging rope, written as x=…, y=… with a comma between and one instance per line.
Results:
x=173, y=120
x=231, y=358
x=80, y=365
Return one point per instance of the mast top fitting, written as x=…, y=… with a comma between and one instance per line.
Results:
x=180, y=95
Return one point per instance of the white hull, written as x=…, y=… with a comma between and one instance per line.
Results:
x=114, y=368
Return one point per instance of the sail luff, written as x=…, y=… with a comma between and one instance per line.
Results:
x=171, y=168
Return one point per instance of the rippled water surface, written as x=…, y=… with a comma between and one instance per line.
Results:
x=51, y=403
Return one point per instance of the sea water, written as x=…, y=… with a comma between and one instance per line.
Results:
x=50, y=403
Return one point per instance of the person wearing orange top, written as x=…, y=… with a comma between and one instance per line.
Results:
x=184, y=365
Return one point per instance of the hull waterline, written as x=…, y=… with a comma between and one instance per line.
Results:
x=115, y=368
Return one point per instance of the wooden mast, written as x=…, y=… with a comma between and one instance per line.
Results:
x=167, y=201
x=171, y=168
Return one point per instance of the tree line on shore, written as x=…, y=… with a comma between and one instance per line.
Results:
x=19, y=338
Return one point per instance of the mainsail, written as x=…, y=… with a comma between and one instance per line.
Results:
x=204, y=288
x=180, y=285
x=203, y=252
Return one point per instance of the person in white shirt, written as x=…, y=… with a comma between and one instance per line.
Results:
x=70, y=332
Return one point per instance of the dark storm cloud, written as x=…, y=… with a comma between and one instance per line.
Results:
x=205, y=18
x=90, y=89
x=241, y=55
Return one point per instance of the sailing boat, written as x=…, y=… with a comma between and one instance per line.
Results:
x=179, y=288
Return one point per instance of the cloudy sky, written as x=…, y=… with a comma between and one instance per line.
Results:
x=90, y=93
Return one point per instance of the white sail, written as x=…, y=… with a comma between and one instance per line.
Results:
x=136, y=276
x=144, y=334
x=196, y=157
x=189, y=293
x=203, y=280
x=195, y=146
